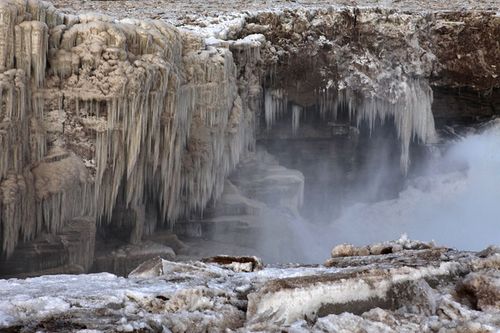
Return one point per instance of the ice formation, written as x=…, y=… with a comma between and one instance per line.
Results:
x=410, y=109
x=296, y=111
x=101, y=116
x=275, y=106
x=97, y=113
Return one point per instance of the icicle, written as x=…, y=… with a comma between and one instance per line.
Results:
x=411, y=111
x=269, y=109
x=8, y=17
x=327, y=102
x=31, y=49
x=296, y=111
x=275, y=106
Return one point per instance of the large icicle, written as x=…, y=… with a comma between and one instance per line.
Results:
x=411, y=112
x=275, y=106
x=296, y=111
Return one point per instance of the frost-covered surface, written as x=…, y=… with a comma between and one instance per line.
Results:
x=379, y=293
x=190, y=10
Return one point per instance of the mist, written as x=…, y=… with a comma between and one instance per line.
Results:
x=454, y=201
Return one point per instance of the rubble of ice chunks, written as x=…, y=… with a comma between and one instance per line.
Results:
x=203, y=269
x=191, y=310
x=402, y=244
x=482, y=290
x=378, y=320
x=454, y=292
x=410, y=304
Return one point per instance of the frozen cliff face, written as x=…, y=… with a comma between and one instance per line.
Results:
x=376, y=65
x=375, y=59
x=420, y=288
x=97, y=113
x=118, y=118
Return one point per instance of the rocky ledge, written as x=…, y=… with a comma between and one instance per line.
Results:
x=391, y=287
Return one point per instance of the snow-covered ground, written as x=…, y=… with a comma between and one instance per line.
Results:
x=186, y=11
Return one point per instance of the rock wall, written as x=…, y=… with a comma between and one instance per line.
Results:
x=97, y=113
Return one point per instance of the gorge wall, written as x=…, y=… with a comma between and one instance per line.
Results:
x=138, y=123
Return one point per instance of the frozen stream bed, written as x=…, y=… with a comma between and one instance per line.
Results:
x=389, y=287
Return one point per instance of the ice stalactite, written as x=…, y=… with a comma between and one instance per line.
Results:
x=31, y=49
x=275, y=106
x=16, y=181
x=8, y=17
x=14, y=121
x=23, y=44
x=296, y=111
x=410, y=110
x=408, y=106
x=63, y=190
x=328, y=101
x=18, y=216
x=213, y=149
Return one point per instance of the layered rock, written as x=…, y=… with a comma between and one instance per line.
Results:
x=374, y=64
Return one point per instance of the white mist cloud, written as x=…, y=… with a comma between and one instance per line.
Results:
x=459, y=208
x=456, y=203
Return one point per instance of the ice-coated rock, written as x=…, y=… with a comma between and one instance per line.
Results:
x=97, y=114
x=349, y=250
x=103, y=112
x=401, y=244
x=237, y=264
x=482, y=290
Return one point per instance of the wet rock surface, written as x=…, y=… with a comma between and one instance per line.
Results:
x=454, y=292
